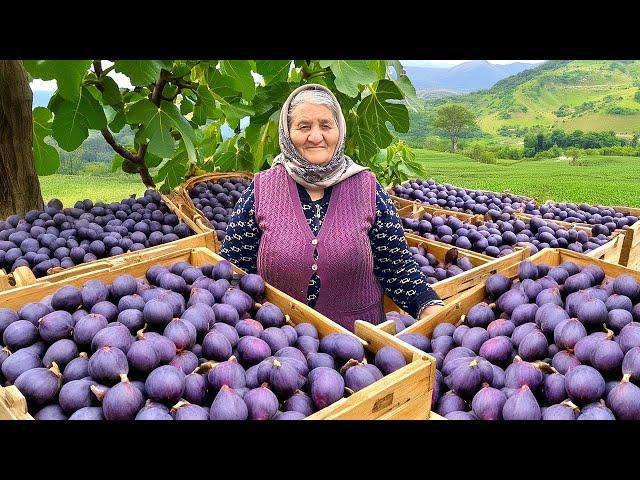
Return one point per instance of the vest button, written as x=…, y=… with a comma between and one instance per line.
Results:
x=314, y=241
x=314, y=267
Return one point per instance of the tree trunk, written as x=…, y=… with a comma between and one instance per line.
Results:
x=454, y=142
x=19, y=184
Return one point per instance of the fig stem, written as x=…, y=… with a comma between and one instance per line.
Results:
x=352, y=362
x=491, y=305
x=55, y=369
x=276, y=363
x=98, y=392
x=140, y=333
x=573, y=406
x=6, y=349
x=473, y=363
x=83, y=355
x=205, y=367
x=180, y=403
x=287, y=319
x=124, y=378
x=258, y=305
x=461, y=321
x=626, y=378
x=610, y=332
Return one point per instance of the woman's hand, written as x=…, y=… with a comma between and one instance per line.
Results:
x=430, y=310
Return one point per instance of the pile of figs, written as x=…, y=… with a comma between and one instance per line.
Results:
x=606, y=218
x=454, y=263
x=458, y=199
x=556, y=343
x=185, y=343
x=65, y=237
x=498, y=238
x=216, y=199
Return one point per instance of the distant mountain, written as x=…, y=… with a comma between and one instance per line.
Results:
x=587, y=95
x=465, y=77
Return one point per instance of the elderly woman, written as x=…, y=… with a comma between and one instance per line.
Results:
x=320, y=227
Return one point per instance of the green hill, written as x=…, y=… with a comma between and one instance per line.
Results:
x=588, y=95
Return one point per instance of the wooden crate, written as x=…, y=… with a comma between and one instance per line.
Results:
x=551, y=256
x=22, y=276
x=609, y=252
x=404, y=393
x=185, y=203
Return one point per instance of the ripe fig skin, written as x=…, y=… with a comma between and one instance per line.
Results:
x=216, y=346
x=142, y=356
x=466, y=379
x=534, y=346
x=497, y=350
x=88, y=413
x=306, y=329
x=182, y=333
x=358, y=377
x=327, y=387
x=299, y=402
x=61, y=352
x=284, y=379
x=375, y=371
x=195, y=388
x=55, y=326
x=20, y=334
x=617, y=319
x=607, y=356
x=553, y=389
x=631, y=364
x=629, y=337
x=450, y=402
x=122, y=402
x=291, y=415
x=116, y=335
x=563, y=361
x=559, y=412
x=249, y=327
x=229, y=373
x=443, y=329
x=18, y=363
x=39, y=385
x=191, y=412
x=107, y=364
x=501, y=327
x=165, y=348
x=186, y=361
x=51, y=412
x=389, y=359
x=584, y=384
x=228, y=331
x=487, y=403
x=292, y=352
x=568, y=332
x=275, y=338
x=421, y=342
x=87, y=326
x=252, y=350
x=461, y=416
x=153, y=411
x=624, y=400
x=480, y=315
x=165, y=384
x=76, y=369
x=346, y=347
x=522, y=405
x=521, y=373
x=596, y=411
x=474, y=338
x=262, y=403
x=496, y=285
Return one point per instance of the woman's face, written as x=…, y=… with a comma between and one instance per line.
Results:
x=314, y=132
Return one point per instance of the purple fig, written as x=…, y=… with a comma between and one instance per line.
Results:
x=584, y=384
x=186, y=361
x=488, y=402
x=115, y=335
x=107, y=364
x=228, y=405
x=522, y=405
x=76, y=369
x=252, y=284
x=629, y=336
x=195, y=388
x=262, y=404
x=501, y=327
x=60, y=352
x=142, y=356
x=228, y=373
x=533, y=346
x=563, y=361
x=596, y=411
x=389, y=359
x=40, y=385
x=553, y=389
x=568, y=332
x=480, y=315
x=443, y=329
x=88, y=413
x=606, y=356
x=186, y=411
x=497, y=350
x=521, y=373
x=561, y=411
x=122, y=401
x=252, y=350
x=249, y=327
x=496, y=285
x=299, y=402
x=50, y=412
x=624, y=400
x=327, y=387
x=228, y=331
x=631, y=364
x=153, y=411
x=450, y=402
x=474, y=338
x=87, y=326
x=165, y=384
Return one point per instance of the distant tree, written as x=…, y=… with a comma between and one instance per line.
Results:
x=637, y=96
x=453, y=118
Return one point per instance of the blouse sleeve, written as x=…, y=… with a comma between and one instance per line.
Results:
x=240, y=245
x=394, y=266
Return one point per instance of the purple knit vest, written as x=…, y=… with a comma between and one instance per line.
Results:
x=349, y=289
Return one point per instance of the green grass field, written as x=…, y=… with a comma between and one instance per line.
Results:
x=604, y=180
x=71, y=188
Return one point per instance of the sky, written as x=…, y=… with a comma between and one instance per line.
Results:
x=452, y=63
x=123, y=81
